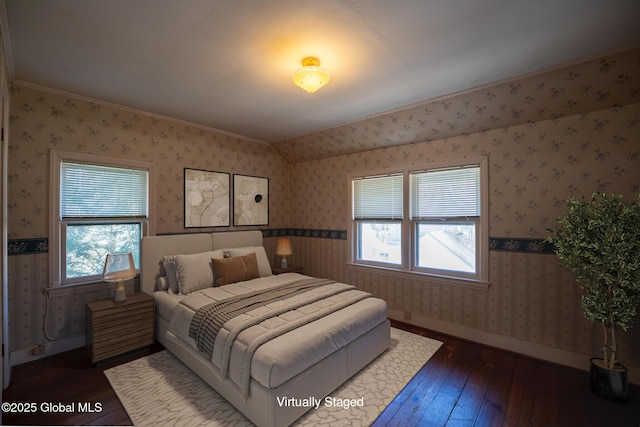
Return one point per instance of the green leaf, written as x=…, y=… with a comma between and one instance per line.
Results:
x=599, y=241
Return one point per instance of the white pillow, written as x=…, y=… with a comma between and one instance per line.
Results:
x=195, y=271
x=261, y=255
x=162, y=284
x=169, y=264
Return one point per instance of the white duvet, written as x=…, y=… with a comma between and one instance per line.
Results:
x=350, y=314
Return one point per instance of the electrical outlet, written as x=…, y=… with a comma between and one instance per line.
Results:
x=407, y=315
x=39, y=349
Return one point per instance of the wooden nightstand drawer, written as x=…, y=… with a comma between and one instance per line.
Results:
x=114, y=318
x=114, y=328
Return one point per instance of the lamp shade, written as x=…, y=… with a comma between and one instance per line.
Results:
x=284, y=247
x=311, y=76
x=117, y=268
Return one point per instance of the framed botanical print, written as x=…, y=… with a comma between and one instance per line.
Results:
x=206, y=198
x=250, y=200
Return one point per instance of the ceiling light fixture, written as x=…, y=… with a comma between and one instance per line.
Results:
x=311, y=76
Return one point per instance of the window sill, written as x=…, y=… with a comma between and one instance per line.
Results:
x=423, y=277
x=77, y=288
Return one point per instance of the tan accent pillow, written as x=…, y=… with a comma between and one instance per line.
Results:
x=235, y=269
x=261, y=254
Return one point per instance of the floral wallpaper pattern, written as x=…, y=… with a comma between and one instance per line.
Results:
x=533, y=168
x=43, y=120
x=596, y=85
x=578, y=131
x=566, y=132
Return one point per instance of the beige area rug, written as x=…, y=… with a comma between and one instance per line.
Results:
x=158, y=390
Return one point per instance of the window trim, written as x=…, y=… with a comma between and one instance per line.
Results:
x=407, y=268
x=56, y=227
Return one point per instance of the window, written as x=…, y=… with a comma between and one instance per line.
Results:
x=101, y=205
x=430, y=221
x=445, y=214
x=377, y=211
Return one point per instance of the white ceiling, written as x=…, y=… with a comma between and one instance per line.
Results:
x=228, y=64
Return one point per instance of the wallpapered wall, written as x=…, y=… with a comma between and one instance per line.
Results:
x=567, y=132
x=533, y=168
x=41, y=121
x=594, y=85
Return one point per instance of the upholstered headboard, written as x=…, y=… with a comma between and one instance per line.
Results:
x=155, y=247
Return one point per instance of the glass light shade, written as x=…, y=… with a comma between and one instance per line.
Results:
x=311, y=76
x=117, y=268
x=283, y=249
x=284, y=246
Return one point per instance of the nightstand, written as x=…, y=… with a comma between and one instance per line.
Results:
x=290, y=269
x=115, y=328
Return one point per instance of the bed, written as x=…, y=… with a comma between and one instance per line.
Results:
x=305, y=355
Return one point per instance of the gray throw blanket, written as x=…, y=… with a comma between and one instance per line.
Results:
x=208, y=320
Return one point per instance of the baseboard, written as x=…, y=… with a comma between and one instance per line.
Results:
x=50, y=348
x=538, y=351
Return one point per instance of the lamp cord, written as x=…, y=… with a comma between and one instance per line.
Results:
x=45, y=291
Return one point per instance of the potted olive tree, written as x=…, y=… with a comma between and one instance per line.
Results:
x=599, y=240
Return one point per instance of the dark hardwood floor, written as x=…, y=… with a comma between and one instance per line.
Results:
x=463, y=384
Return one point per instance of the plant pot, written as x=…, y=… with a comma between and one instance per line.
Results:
x=610, y=384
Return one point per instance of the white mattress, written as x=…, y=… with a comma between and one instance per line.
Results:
x=165, y=303
x=284, y=357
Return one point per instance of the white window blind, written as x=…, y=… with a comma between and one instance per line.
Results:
x=453, y=193
x=94, y=191
x=378, y=198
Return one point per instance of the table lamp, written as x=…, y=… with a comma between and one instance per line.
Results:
x=118, y=268
x=284, y=249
